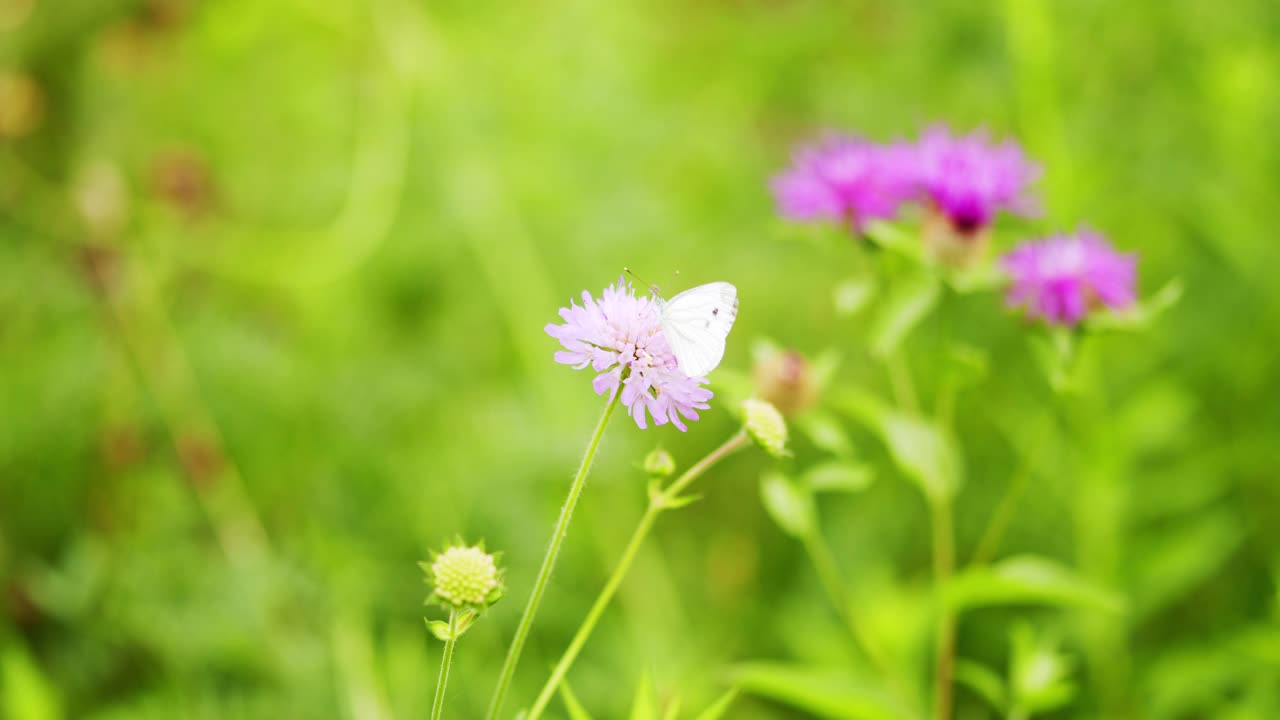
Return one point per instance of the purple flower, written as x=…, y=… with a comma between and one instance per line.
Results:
x=1061, y=277
x=969, y=179
x=620, y=337
x=845, y=179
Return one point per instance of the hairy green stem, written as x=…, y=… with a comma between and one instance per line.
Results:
x=437, y=707
x=657, y=504
x=549, y=562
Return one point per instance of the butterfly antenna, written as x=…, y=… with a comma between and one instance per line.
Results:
x=652, y=288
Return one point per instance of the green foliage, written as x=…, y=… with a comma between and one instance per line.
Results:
x=273, y=278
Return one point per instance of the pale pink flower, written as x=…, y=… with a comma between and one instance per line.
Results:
x=620, y=337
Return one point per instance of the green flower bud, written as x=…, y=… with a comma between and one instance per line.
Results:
x=464, y=577
x=765, y=425
x=659, y=463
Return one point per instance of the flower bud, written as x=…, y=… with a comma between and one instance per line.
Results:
x=785, y=379
x=765, y=425
x=659, y=463
x=464, y=577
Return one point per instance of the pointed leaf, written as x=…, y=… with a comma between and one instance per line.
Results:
x=1039, y=675
x=571, y=704
x=642, y=707
x=675, y=503
x=1141, y=314
x=825, y=432
x=839, y=476
x=907, y=305
x=440, y=629
x=983, y=681
x=923, y=453
x=1028, y=580
x=829, y=693
x=790, y=506
x=718, y=708
x=853, y=294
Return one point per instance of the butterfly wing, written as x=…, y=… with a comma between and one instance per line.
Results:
x=696, y=323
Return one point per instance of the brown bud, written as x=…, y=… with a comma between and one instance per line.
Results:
x=785, y=380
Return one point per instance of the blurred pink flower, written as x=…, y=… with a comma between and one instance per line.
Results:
x=845, y=179
x=969, y=179
x=620, y=337
x=1062, y=277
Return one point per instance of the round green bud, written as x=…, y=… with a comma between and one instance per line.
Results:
x=765, y=425
x=466, y=576
x=659, y=463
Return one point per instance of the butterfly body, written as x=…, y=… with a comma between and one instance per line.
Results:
x=696, y=323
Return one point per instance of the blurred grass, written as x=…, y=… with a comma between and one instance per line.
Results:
x=285, y=265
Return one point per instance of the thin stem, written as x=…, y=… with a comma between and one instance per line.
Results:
x=989, y=544
x=943, y=565
x=437, y=707
x=657, y=504
x=549, y=562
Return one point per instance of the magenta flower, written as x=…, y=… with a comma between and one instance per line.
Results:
x=969, y=179
x=620, y=337
x=1062, y=277
x=847, y=180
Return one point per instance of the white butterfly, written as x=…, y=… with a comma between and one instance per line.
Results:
x=696, y=322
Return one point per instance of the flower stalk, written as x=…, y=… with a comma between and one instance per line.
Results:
x=659, y=501
x=549, y=561
x=437, y=707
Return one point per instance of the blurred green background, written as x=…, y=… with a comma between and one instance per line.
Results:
x=273, y=282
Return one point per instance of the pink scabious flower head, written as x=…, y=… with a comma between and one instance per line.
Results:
x=969, y=179
x=620, y=337
x=845, y=179
x=1062, y=277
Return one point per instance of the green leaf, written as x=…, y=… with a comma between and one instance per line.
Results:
x=853, y=294
x=571, y=704
x=464, y=622
x=982, y=278
x=825, y=432
x=922, y=451
x=439, y=628
x=679, y=501
x=791, y=507
x=838, y=476
x=1057, y=350
x=892, y=237
x=906, y=306
x=1141, y=314
x=642, y=707
x=831, y=693
x=1038, y=674
x=673, y=709
x=983, y=681
x=1027, y=580
x=718, y=708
